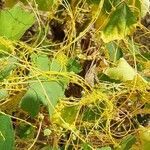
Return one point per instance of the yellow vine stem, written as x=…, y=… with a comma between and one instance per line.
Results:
x=11, y=104
x=26, y=122
x=41, y=117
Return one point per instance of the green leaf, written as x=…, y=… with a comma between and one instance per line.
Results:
x=54, y=91
x=41, y=61
x=115, y=52
x=8, y=64
x=127, y=143
x=6, y=133
x=106, y=10
x=30, y=102
x=14, y=22
x=45, y=4
x=68, y=113
x=74, y=65
x=56, y=66
x=121, y=23
x=48, y=93
x=122, y=72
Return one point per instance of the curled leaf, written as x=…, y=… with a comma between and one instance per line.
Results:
x=122, y=72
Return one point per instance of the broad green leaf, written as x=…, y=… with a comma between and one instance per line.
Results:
x=121, y=23
x=55, y=66
x=44, y=4
x=6, y=133
x=106, y=9
x=14, y=22
x=31, y=102
x=68, y=113
x=44, y=63
x=74, y=65
x=115, y=52
x=59, y=66
x=49, y=93
x=53, y=89
x=7, y=65
x=40, y=61
x=127, y=143
x=122, y=72
x=59, y=63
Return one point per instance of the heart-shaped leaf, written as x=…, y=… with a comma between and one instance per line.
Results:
x=6, y=133
x=48, y=93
